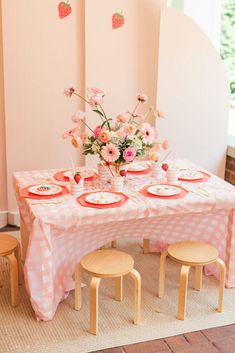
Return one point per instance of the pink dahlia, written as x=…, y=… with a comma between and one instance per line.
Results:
x=97, y=130
x=147, y=133
x=142, y=97
x=110, y=153
x=129, y=154
x=69, y=91
x=70, y=133
x=96, y=90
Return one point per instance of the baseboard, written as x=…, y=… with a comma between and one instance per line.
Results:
x=3, y=218
x=14, y=218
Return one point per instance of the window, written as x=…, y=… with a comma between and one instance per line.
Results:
x=228, y=52
x=217, y=19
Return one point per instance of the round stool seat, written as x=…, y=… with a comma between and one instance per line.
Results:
x=193, y=253
x=107, y=263
x=7, y=244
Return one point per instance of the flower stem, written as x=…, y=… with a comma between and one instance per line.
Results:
x=76, y=94
x=87, y=126
x=135, y=108
x=105, y=116
x=132, y=114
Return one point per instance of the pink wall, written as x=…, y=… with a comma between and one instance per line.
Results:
x=122, y=61
x=42, y=55
x=3, y=184
x=194, y=92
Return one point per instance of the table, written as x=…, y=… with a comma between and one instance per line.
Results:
x=56, y=236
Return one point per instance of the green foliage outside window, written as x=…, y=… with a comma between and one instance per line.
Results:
x=228, y=43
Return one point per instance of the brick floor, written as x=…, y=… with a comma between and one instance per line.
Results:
x=213, y=340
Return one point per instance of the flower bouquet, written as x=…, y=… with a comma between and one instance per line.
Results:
x=117, y=141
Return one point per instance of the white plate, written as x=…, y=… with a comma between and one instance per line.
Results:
x=45, y=189
x=138, y=167
x=84, y=173
x=190, y=175
x=103, y=198
x=164, y=190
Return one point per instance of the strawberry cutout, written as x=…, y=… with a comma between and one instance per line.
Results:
x=64, y=9
x=77, y=178
x=165, y=166
x=118, y=20
x=123, y=173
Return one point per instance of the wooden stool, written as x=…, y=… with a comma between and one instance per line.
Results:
x=191, y=253
x=108, y=263
x=10, y=248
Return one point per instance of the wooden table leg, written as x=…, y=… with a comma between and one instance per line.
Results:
x=24, y=239
x=146, y=246
x=162, y=274
x=114, y=244
x=78, y=291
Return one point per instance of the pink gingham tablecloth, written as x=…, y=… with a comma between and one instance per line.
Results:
x=61, y=234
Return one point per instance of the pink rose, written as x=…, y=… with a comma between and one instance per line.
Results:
x=95, y=100
x=97, y=131
x=129, y=154
x=130, y=129
x=121, y=119
x=78, y=116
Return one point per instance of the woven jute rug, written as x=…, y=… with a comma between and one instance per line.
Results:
x=67, y=332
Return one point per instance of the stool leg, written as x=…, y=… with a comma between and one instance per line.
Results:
x=119, y=289
x=94, y=288
x=136, y=276
x=162, y=273
x=183, y=292
x=222, y=267
x=78, y=291
x=198, y=278
x=114, y=244
x=14, y=279
x=19, y=260
x=146, y=246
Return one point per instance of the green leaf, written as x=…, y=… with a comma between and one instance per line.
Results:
x=98, y=112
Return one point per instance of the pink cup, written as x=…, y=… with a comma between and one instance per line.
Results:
x=172, y=176
x=117, y=183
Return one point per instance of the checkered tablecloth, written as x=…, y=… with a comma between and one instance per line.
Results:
x=61, y=234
